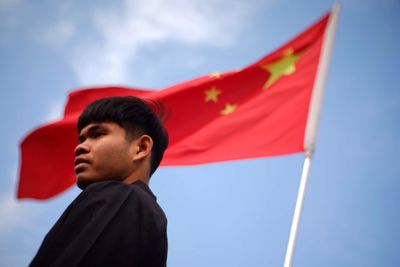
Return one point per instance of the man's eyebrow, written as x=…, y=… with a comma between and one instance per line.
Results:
x=89, y=131
x=94, y=128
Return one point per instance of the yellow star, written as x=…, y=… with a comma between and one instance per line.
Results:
x=215, y=75
x=229, y=108
x=212, y=94
x=283, y=66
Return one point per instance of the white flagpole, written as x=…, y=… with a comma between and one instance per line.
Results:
x=312, y=126
x=297, y=212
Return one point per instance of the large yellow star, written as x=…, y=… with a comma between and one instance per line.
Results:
x=229, y=108
x=212, y=94
x=283, y=66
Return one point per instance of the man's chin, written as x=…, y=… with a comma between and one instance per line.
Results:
x=83, y=179
x=82, y=182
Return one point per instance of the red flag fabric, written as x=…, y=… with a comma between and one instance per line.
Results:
x=258, y=111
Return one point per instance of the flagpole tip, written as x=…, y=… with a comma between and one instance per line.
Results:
x=337, y=6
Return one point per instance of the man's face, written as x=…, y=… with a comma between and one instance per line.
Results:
x=103, y=153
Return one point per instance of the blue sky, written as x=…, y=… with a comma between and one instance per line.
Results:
x=224, y=214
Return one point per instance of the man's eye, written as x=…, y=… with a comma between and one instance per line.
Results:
x=98, y=134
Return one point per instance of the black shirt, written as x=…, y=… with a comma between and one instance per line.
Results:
x=108, y=224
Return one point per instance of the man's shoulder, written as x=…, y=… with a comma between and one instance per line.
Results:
x=132, y=195
x=105, y=213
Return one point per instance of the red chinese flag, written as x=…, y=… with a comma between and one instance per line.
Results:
x=258, y=111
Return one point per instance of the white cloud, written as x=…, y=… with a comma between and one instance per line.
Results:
x=59, y=33
x=135, y=24
x=55, y=111
x=10, y=213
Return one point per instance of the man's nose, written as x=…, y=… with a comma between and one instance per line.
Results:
x=81, y=149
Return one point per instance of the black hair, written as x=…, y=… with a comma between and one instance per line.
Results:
x=135, y=116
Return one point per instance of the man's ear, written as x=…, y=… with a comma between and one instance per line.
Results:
x=142, y=147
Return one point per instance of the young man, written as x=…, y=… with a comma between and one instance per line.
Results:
x=116, y=220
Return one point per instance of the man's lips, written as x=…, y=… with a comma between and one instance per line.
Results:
x=80, y=160
x=79, y=164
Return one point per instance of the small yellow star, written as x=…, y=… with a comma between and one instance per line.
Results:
x=212, y=94
x=215, y=75
x=283, y=66
x=229, y=108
